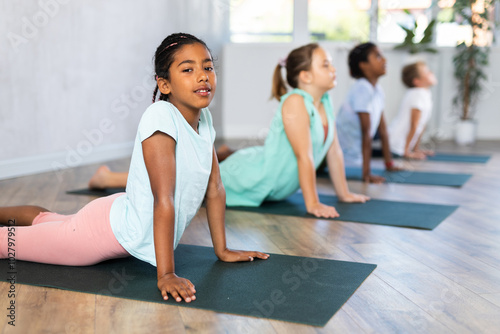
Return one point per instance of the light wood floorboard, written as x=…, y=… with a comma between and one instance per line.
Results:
x=441, y=281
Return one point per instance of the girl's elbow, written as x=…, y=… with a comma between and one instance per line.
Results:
x=163, y=202
x=304, y=157
x=216, y=189
x=219, y=189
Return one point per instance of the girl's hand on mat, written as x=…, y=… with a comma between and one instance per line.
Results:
x=229, y=255
x=354, y=198
x=179, y=288
x=374, y=178
x=321, y=210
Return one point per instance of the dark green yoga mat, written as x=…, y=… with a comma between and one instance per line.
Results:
x=451, y=157
x=380, y=212
x=289, y=288
x=408, y=177
x=96, y=192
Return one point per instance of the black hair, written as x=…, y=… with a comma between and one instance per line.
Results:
x=164, y=56
x=357, y=55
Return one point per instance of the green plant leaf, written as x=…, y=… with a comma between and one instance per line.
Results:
x=428, y=32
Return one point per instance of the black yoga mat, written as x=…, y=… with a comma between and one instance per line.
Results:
x=289, y=288
x=452, y=157
x=392, y=213
x=96, y=192
x=408, y=177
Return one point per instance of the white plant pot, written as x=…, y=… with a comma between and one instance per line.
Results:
x=465, y=132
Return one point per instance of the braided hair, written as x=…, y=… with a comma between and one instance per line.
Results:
x=164, y=56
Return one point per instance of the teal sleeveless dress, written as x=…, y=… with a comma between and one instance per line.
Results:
x=270, y=173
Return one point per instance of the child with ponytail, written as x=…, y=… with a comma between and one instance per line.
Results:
x=173, y=169
x=301, y=134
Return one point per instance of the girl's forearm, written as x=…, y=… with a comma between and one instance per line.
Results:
x=336, y=168
x=307, y=180
x=163, y=229
x=216, y=209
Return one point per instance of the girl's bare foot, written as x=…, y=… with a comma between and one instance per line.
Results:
x=98, y=180
x=223, y=152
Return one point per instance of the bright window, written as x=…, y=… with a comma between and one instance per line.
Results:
x=392, y=14
x=346, y=20
x=450, y=29
x=261, y=20
x=349, y=20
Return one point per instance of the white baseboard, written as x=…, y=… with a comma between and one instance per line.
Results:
x=58, y=161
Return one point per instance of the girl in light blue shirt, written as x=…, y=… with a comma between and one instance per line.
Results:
x=173, y=168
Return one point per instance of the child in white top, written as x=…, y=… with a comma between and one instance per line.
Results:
x=407, y=127
x=173, y=168
x=361, y=115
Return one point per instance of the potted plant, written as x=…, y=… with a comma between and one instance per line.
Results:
x=410, y=44
x=470, y=61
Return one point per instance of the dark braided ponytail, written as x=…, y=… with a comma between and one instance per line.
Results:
x=164, y=56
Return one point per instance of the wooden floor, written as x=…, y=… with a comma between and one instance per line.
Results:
x=441, y=281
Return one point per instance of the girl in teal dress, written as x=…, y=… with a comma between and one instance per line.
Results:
x=301, y=135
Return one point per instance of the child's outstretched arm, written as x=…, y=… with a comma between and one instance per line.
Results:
x=414, y=120
x=417, y=146
x=335, y=161
x=386, y=150
x=159, y=157
x=366, y=148
x=296, y=123
x=216, y=210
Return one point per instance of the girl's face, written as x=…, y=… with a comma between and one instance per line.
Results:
x=192, y=81
x=375, y=66
x=322, y=70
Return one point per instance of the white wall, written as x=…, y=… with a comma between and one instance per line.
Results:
x=77, y=75
x=248, y=70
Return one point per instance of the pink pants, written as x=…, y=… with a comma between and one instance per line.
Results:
x=84, y=238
